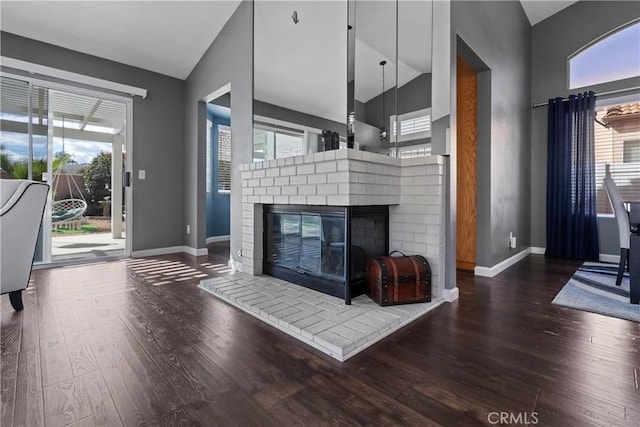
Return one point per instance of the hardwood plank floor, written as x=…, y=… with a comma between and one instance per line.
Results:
x=135, y=342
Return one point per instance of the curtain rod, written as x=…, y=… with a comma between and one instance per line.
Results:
x=611, y=92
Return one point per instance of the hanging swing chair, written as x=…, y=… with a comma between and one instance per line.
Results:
x=67, y=213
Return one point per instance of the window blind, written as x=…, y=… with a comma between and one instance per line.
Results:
x=619, y=146
x=224, y=159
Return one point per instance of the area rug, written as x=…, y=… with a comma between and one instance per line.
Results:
x=593, y=288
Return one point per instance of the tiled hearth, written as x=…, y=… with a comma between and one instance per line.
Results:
x=321, y=321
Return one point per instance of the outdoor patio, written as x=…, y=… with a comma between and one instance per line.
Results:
x=92, y=240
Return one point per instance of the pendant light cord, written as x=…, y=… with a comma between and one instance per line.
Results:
x=382, y=128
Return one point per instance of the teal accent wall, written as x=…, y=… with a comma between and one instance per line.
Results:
x=218, y=204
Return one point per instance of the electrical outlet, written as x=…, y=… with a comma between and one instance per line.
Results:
x=513, y=242
x=188, y=229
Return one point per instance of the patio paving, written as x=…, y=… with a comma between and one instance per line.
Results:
x=95, y=245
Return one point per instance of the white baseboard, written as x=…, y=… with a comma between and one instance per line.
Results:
x=451, y=295
x=214, y=239
x=603, y=257
x=498, y=268
x=195, y=252
x=157, y=251
x=610, y=258
x=169, y=250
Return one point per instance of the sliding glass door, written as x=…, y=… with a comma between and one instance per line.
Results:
x=24, y=148
x=75, y=142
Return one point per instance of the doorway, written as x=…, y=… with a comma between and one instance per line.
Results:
x=467, y=187
x=76, y=141
x=218, y=169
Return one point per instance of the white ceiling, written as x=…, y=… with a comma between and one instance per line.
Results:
x=302, y=66
x=168, y=37
x=539, y=10
x=375, y=27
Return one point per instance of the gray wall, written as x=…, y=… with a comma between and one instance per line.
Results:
x=553, y=40
x=499, y=34
x=229, y=59
x=265, y=109
x=412, y=96
x=158, y=135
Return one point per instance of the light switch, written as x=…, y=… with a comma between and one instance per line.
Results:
x=142, y=174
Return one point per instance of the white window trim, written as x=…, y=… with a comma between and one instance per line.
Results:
x=208, y=159
x=72, y=77
x=593, y=43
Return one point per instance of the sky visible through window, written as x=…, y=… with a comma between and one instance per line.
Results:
x=16, y=145
x=615, y=57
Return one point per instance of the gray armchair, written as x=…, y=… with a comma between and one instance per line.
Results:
x=22, y=206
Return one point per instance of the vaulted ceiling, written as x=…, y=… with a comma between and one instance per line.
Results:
x=168, y=37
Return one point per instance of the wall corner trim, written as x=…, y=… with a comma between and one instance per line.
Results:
x=500, y=267
x=451, y=295
x=195, y=252
x=538, y=251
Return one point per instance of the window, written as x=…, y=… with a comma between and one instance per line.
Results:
x=224, y=159
x=272, y=143
x=616, y=56
x=631, y=151
x=413, y=125
x=618, y=145
x=412, y=152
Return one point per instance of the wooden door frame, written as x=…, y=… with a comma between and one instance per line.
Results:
x=483, y=159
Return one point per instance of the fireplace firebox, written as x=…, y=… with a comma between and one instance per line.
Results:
x=324, y=247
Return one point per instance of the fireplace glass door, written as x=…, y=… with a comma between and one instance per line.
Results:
x=324, y=248
x=308, y=243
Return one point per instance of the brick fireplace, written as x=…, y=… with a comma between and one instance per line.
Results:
x=412, y=189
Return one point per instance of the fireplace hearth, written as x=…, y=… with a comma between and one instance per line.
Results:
x=324, y=248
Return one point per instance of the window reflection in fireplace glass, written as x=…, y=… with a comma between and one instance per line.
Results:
x=290, y=240
x=333, y=247
x=310, y=251
x=307, y=243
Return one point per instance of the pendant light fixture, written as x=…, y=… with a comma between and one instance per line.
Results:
x=384, y=134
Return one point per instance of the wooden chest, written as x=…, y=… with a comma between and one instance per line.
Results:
x=398, y=279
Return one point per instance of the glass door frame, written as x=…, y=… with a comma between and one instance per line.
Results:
x=127, y=197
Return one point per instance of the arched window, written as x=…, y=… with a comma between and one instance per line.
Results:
x=616, y=56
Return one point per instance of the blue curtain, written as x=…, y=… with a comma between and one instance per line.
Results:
x=572, y=222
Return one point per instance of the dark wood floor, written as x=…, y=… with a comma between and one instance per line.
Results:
x=99, y=344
